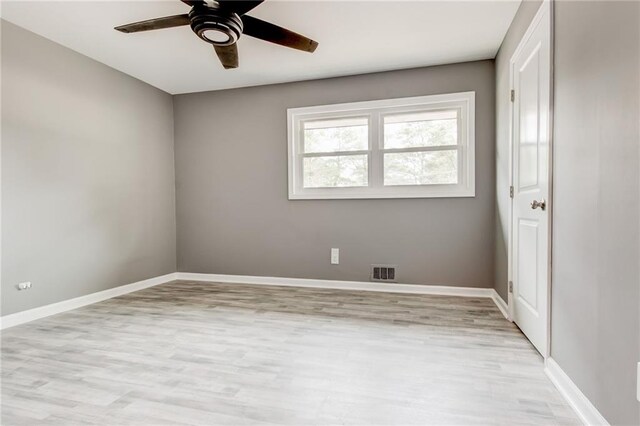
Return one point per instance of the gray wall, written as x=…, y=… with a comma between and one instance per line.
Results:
x=232, y=208
x=596, y=277
x=521, y=21
x=87, y=175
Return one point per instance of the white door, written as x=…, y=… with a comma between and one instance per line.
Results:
x=530, y=72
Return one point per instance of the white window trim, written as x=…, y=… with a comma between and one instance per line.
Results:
x=463, y=101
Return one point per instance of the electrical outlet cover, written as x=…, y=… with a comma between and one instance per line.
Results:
x=335, y=256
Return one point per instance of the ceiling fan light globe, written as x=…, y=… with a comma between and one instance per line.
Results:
x=216, y=36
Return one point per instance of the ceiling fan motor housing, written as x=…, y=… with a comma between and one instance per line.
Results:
x=215, y=26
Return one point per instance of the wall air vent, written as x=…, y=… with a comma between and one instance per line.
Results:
x=384, y=273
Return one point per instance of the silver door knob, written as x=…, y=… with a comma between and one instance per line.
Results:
x=542, y=204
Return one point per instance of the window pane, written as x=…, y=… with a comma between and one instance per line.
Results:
x=421, y=168
x=431, y=128
x=335, y=171
x=334, y=135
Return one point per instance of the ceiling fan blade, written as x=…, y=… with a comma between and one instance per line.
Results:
x=267, y=31
x=155, y=24
x=239, y=6
x=228, y=55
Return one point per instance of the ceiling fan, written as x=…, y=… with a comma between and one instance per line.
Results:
x=221, y=23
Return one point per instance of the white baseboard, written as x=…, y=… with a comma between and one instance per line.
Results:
x=340, y=285
x=18, y=318
x=501, y=304
x=573, y=395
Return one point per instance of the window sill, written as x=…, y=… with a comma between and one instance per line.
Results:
x=393, y=193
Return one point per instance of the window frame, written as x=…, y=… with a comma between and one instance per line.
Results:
x=375, y=111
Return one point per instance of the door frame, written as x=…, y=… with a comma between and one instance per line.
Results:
x=545, y=9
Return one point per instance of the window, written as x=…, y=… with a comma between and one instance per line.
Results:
x=397, y=148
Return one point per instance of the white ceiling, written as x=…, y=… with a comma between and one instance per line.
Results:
x=355, y=37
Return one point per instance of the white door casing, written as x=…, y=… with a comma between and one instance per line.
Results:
x=530, y=150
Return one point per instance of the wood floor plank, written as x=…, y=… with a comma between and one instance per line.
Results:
x=199, y=353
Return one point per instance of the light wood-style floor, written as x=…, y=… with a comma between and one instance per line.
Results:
x=196, y=353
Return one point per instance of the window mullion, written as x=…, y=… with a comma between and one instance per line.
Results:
x=375, y=145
